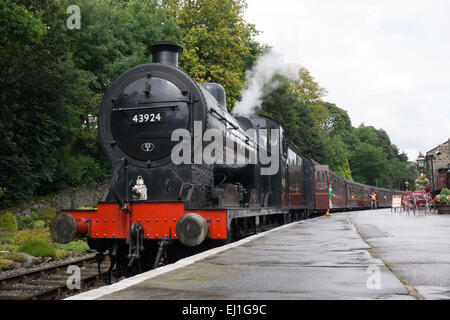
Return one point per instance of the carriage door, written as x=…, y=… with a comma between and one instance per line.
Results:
x=321, y=189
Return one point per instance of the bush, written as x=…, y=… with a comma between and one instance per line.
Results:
x=40, y=234
x=46, y=215
x=37, y=248
x=8, y=222
x=38, y=224
x=445, y=192
x=39, y=218
x=6, y=236
x=26, y=221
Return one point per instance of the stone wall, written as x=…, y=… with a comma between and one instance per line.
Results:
x=72, y=198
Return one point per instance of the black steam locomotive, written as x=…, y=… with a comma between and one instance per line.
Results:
x=156, y=124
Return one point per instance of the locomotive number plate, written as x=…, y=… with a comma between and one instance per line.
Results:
x=145, y=118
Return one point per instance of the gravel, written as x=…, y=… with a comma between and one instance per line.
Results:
x=41, y=263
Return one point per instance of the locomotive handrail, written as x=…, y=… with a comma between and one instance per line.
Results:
x=235, y=127
x=163, y=100
x=144, y=108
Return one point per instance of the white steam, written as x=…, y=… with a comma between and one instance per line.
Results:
x=261, y=74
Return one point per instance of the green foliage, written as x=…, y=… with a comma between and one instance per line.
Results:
x=337, y=121
x=51, y=83
x=218, y=45
x=295, y=117
x=5, y=264
x=46, y=214
x=445, y=192
x=37, y=248
x=6, y=236
x=22, y=236
x=38, y=224
x=309, y=91
x=26, y=221
x=79, y=246
x=421, y=182
x=8, y=222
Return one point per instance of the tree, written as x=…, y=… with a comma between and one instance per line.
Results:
x=218, y=45
x=310, y=92
x=296, y=118
x=52, y=80
x=337, y=120
x=367, y=164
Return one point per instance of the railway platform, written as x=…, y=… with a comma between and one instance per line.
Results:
x=373, y=254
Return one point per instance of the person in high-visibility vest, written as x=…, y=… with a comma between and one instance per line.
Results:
x=373, y=202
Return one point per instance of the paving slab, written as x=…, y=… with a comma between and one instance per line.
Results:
x=416, y=248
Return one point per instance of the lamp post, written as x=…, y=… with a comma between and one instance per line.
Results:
x=421, y=162
x=407, y=185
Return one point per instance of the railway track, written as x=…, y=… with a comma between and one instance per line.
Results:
x=50, y=283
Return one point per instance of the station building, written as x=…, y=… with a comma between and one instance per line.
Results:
x=438, y=166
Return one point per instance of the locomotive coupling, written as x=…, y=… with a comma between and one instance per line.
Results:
x=192, y=229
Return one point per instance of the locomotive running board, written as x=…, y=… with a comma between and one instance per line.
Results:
x=252, y=212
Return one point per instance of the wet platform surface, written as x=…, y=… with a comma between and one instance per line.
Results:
x=415, y=248
x=338, y=257
x=354, y=255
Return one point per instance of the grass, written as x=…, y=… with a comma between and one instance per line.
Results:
x=78, y=246
x=5, y=264
x=22, y=236
x=37, y=248
x=12, y=256
x=8, y=247
x=6, y=236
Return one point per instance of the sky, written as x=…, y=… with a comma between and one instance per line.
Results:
x=386, y=62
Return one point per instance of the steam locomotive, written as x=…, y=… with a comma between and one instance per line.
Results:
x=157, y=209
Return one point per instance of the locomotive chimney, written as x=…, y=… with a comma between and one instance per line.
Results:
x=165, y=52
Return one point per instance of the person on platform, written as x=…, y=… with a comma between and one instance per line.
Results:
x=373, y=200
x=330, y=194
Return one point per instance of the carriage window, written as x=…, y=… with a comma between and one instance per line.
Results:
x=322, y=181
